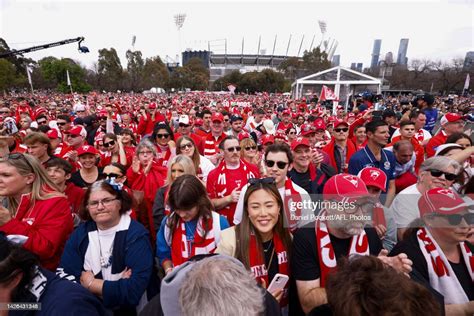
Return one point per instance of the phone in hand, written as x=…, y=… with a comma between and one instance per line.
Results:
x=278, y=283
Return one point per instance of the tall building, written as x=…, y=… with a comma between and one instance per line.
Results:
x=357, y=66
x=389, y=58
x=468, y=61
x=402, y=52
x=336, y=60
x=376, y=53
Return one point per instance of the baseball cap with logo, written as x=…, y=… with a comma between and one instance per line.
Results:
x=441, y=201
x=235, y=118
x=337, y=123
x=152, y=106
x=53, y=134
x=373, y=177
x=87, y=149
x=183, y=119
x=217, y=117
x=77, y=130
x=319, y=124
x=450, y=118
x=198, y=122
x=243, y=135
x=269, y=127
x=307, y=129
x=267, y=138
x=344, y=186
x=299, y=141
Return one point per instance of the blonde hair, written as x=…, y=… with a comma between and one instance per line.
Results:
x=246, y=142
x=42, y=187
x=185, y=162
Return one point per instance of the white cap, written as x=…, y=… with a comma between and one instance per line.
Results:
x=269, y=127
x=184, y=119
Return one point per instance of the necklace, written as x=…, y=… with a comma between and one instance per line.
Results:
x=269, y=245
x=105, y=261
x=267, y=266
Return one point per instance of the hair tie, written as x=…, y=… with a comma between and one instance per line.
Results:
x=117, y=186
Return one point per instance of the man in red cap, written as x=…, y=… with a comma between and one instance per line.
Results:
x=304, y=172
x=339, y=232
x=74, y=139
x=286, y=121
x=148, y=119
x=450, y=123
x=212, y=141
x=340, y=149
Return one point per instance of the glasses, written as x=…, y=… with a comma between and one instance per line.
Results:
x=80, y=111
x=183, y=125
x=41, y=122
x=233, y=149
x=4, y=112
x=438, y=173
x=145, y=152
x=291, y=133
x=71, y=135
x=226, y=120
x=185, y=146
x=109, y=144
x=105, y=203
x=162, y=135
x=61, y=123
x=113, y=175
x=455, y=219
x=338, y=130
x=251, y=148
x=254, y=181
x=280, y=164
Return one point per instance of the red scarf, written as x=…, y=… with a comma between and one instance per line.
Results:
x=292, y=197
x=331, y=147
x=442, y=277
x=327, y=257
x=165, y=201
x=378, y=217
x=202, y=244
x=257, y=263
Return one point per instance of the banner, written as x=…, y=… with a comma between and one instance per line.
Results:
x=327, y=94
x=29, y=71
x=466, y=83
x=68, y=79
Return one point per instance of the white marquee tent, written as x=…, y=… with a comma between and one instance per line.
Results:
x=336, y=76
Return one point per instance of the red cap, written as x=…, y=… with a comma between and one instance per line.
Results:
x=267, y=138
x=77, y=130
x=450, y=118
x=52, y=133
x=294, y=115
x=307, y=129
x=373, y=177
x=102, y=113
x=441, y=201
x=286, y=112
x=340, y=122
x=152, y=106
x=243, y=135
x=351, y=115
x=344, y=185
x=198, y=121
x=280, y=134
x=217, y=117
x=319, y=124
x=299, y=141
x=87, y=149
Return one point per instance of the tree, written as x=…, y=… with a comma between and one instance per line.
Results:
x=193, y=76
x=8, y=76
x=155, y=73
x=110, y=71
x=54, y=71
x=267, y=80
x=290, y=67
x=135, y=68
x=315, y=61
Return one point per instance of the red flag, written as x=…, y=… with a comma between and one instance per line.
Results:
x=327, y=94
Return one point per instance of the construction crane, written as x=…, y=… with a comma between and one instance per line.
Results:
x=82, y=49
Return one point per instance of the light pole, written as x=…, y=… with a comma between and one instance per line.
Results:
x=179, y=21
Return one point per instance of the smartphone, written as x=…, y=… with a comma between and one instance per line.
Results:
x=278, y=283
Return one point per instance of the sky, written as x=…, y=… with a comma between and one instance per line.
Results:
x=436, y=29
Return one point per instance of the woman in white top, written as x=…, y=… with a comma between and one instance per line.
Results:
x=186, y=146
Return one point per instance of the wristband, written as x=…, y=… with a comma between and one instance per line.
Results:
x=90, y=283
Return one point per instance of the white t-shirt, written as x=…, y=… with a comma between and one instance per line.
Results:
x=405, y=206
x=206, y=167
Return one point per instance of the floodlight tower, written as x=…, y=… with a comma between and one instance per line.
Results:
x=179, y=21
x=322, y=27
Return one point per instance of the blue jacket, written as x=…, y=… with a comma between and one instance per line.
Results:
x=62, y=297
x=132, y=249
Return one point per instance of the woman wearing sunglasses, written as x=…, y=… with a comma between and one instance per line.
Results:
x=110, y=254
x=260, y=241
x=290, y=134
x=438, y=248
x=34, y=213
x=114, y=151
x=192, y=228
x=249, y=153
x=186, y=146
x=163, y=139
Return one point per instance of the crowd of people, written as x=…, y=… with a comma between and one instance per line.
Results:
x=219, y=204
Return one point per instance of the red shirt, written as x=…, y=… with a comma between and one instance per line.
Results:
x=146, y=126
x=211, y=144
x=434, y=142
x=75, y=196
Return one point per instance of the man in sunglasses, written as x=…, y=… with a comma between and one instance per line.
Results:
x=225, y=182
x=435, y=172
x=63, y=122
x=185, y=127
x=74, y=138
x=450, y=123
x=340, y=149
x=214, y=138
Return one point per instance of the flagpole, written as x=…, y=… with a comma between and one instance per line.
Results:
x=69, y=81
x=28, y=72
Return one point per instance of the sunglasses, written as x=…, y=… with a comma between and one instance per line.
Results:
x=113, y=175
x=17, y=156
x=251, y=148
x=291, y=133
x=254, y=181
x=4, y=112
x=61, y=123
x=41, y=123
x=338, y=130
x=438, y=173
x=184, y=146
x=455, y=219
x=183, y=125
x=233, y=149
x=109, y=144
x=72, y=136
x=280, y=164
x=162, y=135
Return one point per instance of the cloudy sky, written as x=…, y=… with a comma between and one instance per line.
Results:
x=437, y=29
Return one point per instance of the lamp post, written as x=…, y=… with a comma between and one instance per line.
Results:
x=179, y=21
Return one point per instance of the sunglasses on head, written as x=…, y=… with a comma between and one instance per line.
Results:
x=233, y=149
x=17, y=156
x=448, y=176
x=254, y=181
x=251, y=148
x=109, y=144
x=184, y=146
x=455, y=219
x=162, y=135
x=280, y=164
x=338, y=130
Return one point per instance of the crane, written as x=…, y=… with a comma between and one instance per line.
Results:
x=82, y=49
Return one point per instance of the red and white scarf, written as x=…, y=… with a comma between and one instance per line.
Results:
x=293, y=198
x=257, y=263
x=180, y=248
x=442, y=277
x=327, y=257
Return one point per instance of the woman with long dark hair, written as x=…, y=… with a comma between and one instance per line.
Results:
x=163, y=139
x=192, y=228
x=186, y=146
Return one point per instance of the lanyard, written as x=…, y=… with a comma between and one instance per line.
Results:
x=386, y=164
